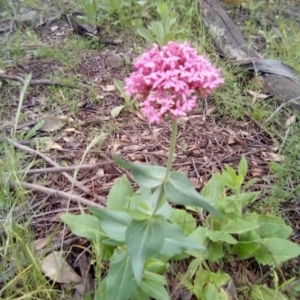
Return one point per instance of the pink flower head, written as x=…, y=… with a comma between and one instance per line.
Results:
x=170, y=79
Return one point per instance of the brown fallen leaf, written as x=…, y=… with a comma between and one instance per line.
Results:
x=50, y=145
x=57, y=269
x=290, y=120
x=108, y=88
x=52, y=123
x=272, y=156
x=256, y=95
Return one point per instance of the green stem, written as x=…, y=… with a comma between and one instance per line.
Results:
x=172, y=148
x=169, y=164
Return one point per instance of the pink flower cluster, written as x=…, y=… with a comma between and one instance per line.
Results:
x=169, y=79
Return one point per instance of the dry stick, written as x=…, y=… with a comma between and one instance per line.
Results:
x=36, y=81
x=71, y=168
x=54, y=164
x=52, y=192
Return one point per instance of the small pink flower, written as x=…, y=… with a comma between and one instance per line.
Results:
x=170, y=79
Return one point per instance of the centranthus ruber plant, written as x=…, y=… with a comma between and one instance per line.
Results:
x=136, y=232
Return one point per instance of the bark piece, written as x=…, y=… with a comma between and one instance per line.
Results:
x=231, y=44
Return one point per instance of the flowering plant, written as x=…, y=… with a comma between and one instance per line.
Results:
x=136, y=232
x=170, y=79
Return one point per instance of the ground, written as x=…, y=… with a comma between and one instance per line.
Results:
x=66, y=115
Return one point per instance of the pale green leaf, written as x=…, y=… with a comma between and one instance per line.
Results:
x=116, y=111
x=273, y=227
x=144, y=239
x=156, y=266
x=214, y=251
x=138, y=295
x=245, y=249
x=137, y=214
x=84, y=225
x=230, y=207
x=180, y=190
x=120, y=86
x=145, y=175
x=119, y=194
x=114, y=223
x=220, y=236
x=275, y=251
x=120, y=282
x=243, y=167
x=185, y=220
x=238, y=226
x=176, y=242
x=146, y=34
x=153, y=285
x=32, y=132
x=214, y=190
x=247, y=198
x=261, y=292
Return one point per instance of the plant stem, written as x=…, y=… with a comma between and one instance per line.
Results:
x=169, y=164
x=172, y=148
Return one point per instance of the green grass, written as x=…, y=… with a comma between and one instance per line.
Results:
x=20, y=268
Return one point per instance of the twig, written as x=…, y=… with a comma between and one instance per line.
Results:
x=279, y=108
x=55, y=193
x=65, y=169
x=54, y=164
x=36, y=81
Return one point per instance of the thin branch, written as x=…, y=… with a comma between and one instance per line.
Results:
x=65, y=169
x=53, y=192
x=54, y=164
x=36, y=81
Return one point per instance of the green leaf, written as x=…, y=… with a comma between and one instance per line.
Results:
x=273, y=227
x=138, y=295
x=214, y=190
x=137, y=214
x=243, y=167
x=238, y=226
x=156, y=266
x=249, y=183
x=145, y=175
x=228, y=177
x=146, y=34
x=246, y=198
x=230, y=207
x=208, y=285
x=220, y=236
x=180, y=190
x=170, y=36
x=84, y=225
x=120, y=283
x=144, y=239
x=261, y=292
x=185, y=220
x=176, y=242
x=32, y=132
x=120, y=86
x=119, y=194
x=153, y=285
x=158, y=30
x=113, y=222
x=245, y=249
x=116, y=111
x=275, y=251
x=214, y=252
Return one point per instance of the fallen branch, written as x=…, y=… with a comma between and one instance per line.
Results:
x=54, y=164
x=65, y=169
x=54, y=193
x=36, y=81
x=279, y=79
